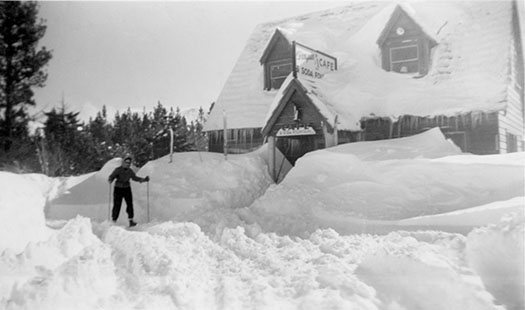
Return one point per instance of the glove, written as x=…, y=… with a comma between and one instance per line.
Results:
x=146, y=179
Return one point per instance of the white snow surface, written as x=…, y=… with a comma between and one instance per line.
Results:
x=469, y=69
x=409, y=223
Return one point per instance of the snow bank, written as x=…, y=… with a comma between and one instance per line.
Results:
x=201, y=187
x=477, y=216
x=429, y=144
x=71, y=269
x=404, y=270
x=372, y=186
x=496, y=253
x=21, y=212
x=177, y=266
x=87, y=195
x=199, y=253
x=198, y=187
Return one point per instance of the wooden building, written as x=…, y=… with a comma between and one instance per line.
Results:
x=371, y=71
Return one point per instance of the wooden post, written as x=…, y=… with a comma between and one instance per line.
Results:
x=225, y=134
x=336, y=135
x=294, y=61
x=171, y=145
x=271, y=157
x=147, y=193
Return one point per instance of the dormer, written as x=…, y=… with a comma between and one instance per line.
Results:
x=277, y=60
x=405, y=47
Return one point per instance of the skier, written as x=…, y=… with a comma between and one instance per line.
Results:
x=122, y=189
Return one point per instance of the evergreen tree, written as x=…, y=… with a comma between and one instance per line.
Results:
x=21, y=66
x=66, y=146
x=195, y=135
x=99, y=134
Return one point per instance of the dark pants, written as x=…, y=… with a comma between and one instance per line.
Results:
x=118, y=194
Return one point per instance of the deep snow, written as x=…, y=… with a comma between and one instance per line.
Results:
x=401, y=224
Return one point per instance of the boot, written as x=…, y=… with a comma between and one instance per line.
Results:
x=132, y=223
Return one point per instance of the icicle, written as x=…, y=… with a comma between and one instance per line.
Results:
x=398, y=122
x=477, y=119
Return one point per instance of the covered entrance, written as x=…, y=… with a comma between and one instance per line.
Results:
x=294, y=147
x=294, y=128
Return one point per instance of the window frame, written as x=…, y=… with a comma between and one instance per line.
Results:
x=417, y=60
x=277, y=80
x=512, y=142
x=278, y=65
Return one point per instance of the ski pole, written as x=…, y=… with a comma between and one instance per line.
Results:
x=109, y=203
x=147, y=198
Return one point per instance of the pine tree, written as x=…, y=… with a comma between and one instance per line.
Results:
x=66, y=146
x=196, y=135
x=21, y=66
x=99, y=135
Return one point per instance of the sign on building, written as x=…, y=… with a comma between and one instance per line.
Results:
x=296, y=131
x=312, y=63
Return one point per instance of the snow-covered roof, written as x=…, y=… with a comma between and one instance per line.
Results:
x=469, y=68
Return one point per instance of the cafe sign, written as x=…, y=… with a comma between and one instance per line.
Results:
x=312, y=63
x=296, y=131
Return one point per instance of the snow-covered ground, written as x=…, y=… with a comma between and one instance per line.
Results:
x=401, y=224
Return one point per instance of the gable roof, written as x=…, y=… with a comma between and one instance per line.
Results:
x=273, y=41
x=398, y=12
x=469, y=68
x=287, y=90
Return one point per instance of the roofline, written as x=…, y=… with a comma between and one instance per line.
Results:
x=390, y=24
x=277, y=33
x=291, y=88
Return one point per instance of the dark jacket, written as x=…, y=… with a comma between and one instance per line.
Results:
x=123, y=175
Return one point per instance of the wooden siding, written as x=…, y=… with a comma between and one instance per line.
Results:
x=512, y=120
x=345, y=136
x=477, y=131
x=239, y=140
x=474, y=132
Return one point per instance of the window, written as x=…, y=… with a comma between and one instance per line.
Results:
x=404, y=59
x=278, y=73
x=512, y=143
x=297, y=113
x=459, y=138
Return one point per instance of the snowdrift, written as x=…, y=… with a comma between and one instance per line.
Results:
x=196, y=186
x=21, y=211
x=375, y=187
x=88, y=195
x=495, y=252
x=177, y=266
x=213, y=244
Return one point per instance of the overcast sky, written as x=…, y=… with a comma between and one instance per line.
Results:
x=134, y=54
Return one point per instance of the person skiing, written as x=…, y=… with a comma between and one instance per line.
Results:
x=122, y=189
